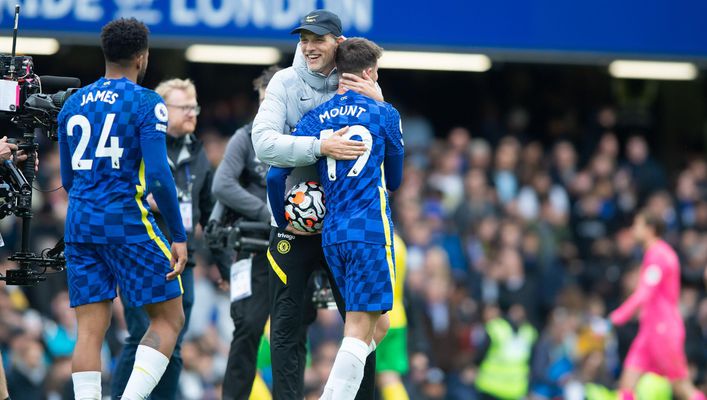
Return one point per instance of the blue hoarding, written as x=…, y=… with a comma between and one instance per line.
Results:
x=652, y=28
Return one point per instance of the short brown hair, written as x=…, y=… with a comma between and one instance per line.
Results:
x=262, y=81
x=654, y=221
x=356, y=54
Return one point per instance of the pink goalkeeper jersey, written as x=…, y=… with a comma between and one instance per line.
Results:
x=658, y=292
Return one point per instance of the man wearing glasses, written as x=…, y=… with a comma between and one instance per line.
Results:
x=192, y=175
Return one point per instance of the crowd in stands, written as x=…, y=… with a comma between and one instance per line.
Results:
x=493, y=223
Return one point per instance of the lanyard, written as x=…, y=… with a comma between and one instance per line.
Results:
x=187, y=172
x=188, y=175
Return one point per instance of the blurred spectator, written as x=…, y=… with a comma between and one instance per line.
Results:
x=553, y=356
x=647, y=174
x=564, y=163
x=504, y=174
x=479, y=201
x=28, y=370
x=539, y=189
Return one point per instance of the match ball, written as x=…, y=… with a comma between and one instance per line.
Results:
x=304, y=206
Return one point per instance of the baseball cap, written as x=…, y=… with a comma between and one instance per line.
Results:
x=320, y=22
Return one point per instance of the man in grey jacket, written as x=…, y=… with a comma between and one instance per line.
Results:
x=293, y=257
x=239, y=184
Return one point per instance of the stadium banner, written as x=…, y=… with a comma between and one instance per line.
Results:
x=653, y=28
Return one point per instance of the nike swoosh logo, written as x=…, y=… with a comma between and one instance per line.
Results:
x=305, y=98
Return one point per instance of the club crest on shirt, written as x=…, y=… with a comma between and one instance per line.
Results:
x=283, y=247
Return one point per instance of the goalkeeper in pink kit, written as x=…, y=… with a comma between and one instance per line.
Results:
x=659, y=345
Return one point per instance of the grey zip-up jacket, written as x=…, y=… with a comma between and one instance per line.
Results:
x=291, y=93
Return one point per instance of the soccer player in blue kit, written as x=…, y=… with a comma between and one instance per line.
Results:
x=358, y=231
x=112, y=148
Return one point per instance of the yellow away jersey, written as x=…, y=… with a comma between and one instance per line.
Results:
x=398, y=319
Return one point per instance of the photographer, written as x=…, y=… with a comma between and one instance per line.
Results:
x=239, y=183
x=6, y=153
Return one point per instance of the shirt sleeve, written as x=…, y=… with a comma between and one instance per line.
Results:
x=394, y=150
x=308, y=126
x=67, y=172
x=274, y=146
x=158, y=176
x=649, y=280
x=276, y=193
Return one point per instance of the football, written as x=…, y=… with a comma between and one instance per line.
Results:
x=304, y=206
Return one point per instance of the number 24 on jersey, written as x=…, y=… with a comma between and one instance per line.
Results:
x=114, y=151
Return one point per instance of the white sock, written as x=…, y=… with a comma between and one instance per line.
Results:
x=347, y=372
x=149, y=366
x=87, y=385
x=372, y=346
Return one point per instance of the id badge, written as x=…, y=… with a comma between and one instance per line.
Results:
x=240, y=279
x=185, y=210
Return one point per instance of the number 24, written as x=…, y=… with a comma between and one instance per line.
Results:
x=114, y=151
x=355, y=130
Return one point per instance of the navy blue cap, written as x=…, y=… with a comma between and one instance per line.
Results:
x=320, y=22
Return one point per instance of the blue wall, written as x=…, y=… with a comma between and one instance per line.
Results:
x=654, y=28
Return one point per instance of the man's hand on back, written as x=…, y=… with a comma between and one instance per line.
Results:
x=365, y=86
x=339, y=148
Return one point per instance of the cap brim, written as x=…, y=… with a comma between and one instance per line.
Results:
x=316, y=29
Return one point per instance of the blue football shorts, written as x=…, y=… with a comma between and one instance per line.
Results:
x=364, y=274
x=139, y=269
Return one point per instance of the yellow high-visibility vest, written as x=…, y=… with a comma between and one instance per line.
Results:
x=505, y=369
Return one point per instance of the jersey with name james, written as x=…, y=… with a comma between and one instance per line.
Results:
x=103, y=124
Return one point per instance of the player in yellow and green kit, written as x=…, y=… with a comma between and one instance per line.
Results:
x=392, y=352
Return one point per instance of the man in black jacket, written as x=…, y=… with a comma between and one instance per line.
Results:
x=192, y=175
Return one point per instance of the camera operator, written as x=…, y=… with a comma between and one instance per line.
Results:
x=6, y=153
x=239, y=183
x=192, y=175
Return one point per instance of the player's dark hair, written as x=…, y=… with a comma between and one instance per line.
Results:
x=262, y=81
x=123, y=39
x=654, y=221
x=357, y=54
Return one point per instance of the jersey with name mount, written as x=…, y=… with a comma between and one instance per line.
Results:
x=355, y=191
x=103, y=124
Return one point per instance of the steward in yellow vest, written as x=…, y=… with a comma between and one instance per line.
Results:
x=505, y=370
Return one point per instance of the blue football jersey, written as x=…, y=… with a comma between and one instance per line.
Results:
x=355, y=192
x=102, y=124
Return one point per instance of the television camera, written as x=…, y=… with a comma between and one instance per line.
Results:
x=24, y=101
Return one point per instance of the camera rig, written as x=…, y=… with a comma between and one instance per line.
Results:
x=24, y=102
x=226, y=230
